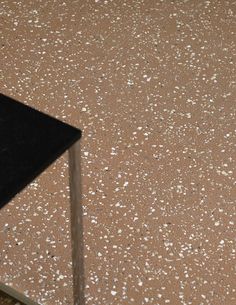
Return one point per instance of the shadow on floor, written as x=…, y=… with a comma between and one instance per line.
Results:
x=7, y=300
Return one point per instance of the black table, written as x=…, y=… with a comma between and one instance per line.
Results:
x=29, y=142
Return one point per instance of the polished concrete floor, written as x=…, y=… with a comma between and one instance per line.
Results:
x=152, y=85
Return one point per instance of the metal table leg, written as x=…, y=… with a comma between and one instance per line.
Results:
x=76, y=223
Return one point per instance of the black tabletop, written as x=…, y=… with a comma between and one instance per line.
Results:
x=29, y=142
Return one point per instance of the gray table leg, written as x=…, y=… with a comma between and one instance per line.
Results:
x=76, y=223
x=76, y=232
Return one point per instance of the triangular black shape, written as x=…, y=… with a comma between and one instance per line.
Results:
x=29, y=142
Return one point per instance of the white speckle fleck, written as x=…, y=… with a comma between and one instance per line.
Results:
x=224, y=173
x=140, y=283
x=188, y=115
x=130, y=82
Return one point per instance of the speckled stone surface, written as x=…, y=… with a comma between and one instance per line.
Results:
x=152, y=86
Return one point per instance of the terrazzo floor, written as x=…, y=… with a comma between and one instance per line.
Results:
x=151, y=84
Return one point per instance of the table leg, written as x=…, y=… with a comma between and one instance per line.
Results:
x=76, y=223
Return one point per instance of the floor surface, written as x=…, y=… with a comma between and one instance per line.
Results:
x=151, y=84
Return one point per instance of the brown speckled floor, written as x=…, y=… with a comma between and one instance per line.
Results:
x=152, y=85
